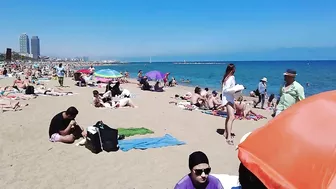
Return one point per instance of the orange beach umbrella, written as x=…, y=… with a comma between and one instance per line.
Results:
x=297, y=149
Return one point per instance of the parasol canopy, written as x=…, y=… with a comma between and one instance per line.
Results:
x=297, y=149
x=108, y=73
x=84, y=71
x=155, y=75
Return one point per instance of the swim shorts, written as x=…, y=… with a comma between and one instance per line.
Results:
x=55, y=137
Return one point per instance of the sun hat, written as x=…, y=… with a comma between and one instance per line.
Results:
x=243, y=138
x=290, y=72
x=264, y=79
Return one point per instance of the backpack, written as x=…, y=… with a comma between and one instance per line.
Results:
x=30, y=90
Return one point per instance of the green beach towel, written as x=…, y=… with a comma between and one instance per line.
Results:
x=134, y=131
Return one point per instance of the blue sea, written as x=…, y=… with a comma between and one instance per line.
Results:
x=315, y=76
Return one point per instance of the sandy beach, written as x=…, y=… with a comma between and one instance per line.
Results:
x=29, y=160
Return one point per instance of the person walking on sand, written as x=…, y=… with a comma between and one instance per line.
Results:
x=60, y=74
x=290, y=93
x=228, y=82
x=262, y=88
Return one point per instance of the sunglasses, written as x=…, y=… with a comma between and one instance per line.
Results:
x=199, y=172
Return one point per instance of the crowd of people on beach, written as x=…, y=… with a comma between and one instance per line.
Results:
x=64, y=128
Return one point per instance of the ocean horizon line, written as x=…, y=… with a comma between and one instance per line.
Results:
x=228, y=61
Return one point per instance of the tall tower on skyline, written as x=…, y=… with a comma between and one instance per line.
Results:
x=35, y=47
x=24, y=44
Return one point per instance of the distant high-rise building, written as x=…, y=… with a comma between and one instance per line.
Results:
x=24, y=44
x=35, y=47
x=85, y=59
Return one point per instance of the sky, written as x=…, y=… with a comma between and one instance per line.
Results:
x=174, y=29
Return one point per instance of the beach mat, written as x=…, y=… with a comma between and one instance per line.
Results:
x=228, y=181
x=145, y=143
x=127, y=132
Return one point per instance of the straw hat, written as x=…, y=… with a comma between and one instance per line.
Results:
x=264, y=79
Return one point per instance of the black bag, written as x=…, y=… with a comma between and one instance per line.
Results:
x=109, y=137
x=93, y=140
x=30, y=90
x=256, y=92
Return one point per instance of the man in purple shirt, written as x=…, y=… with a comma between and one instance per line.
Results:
x=199, y=177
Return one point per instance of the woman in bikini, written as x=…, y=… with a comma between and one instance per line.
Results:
x=228, y=82
x=241, y=108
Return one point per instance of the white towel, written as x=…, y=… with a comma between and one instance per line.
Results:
x=228, y=181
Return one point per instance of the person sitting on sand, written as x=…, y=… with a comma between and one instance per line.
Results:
x=241, y=108
x=116, y=89
x=108, y=86
x=204, y=92
x=19, y=84
x=63, y=127
x=199, y=176
x=102, y=101
x=145, y=84
x=157, y=87
x=172, y=82
x=197, y=98
x=213, y=101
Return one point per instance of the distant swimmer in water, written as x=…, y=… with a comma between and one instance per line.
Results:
x=185, y=81
x=307, y=84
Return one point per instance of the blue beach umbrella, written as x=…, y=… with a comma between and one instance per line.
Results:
x=108, y=73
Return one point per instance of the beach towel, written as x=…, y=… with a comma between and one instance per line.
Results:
x=251, y=117
x=145, y=143
x=228, y=181
x=127, y=132
x=215, y=113
x=224, y=115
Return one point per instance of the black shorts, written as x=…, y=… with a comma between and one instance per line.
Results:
x=198, y=104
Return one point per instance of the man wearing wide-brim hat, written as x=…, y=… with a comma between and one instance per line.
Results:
x=290, y=93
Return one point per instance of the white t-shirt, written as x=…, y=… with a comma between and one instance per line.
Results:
x=92, y=69
x=227, y=95
x=60, y=71
x=262, y=88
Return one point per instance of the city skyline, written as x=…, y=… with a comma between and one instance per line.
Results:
x=35, y=47
x=167, y=29
x=24, y=44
